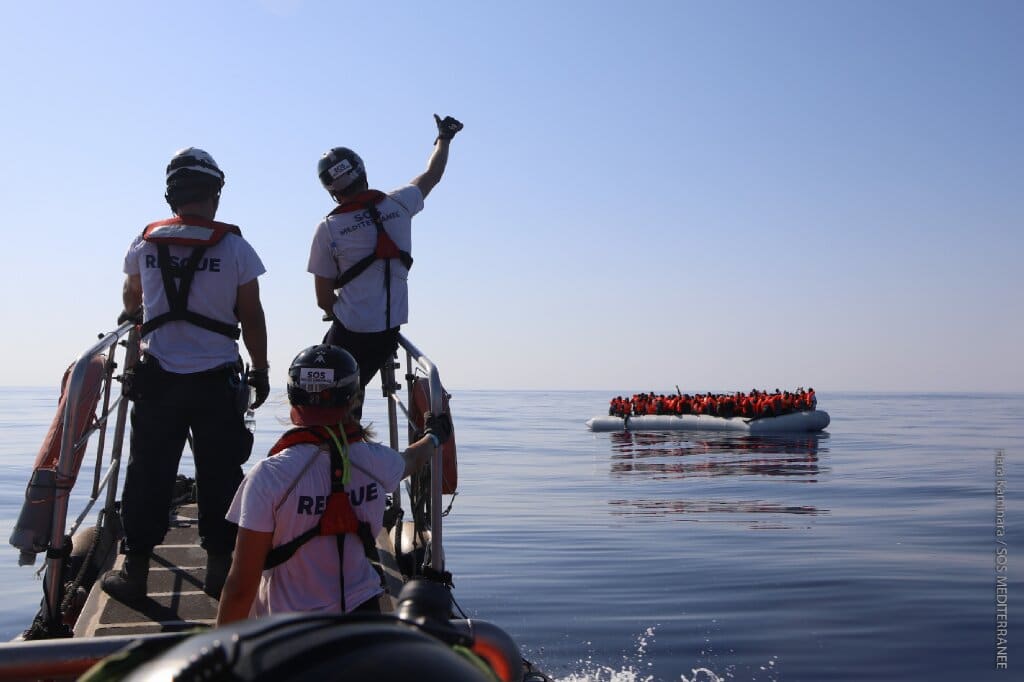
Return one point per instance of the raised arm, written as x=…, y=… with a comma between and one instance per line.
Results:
x=428, y=179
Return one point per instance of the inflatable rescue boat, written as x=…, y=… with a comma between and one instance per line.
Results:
x=804, y=421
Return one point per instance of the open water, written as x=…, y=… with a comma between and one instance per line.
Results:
x=873, y=551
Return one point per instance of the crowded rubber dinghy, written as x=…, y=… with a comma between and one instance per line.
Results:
x=755, y=411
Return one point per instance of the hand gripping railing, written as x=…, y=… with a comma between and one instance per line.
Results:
x=415, y=358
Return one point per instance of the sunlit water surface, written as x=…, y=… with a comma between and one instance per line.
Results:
x=865, y=553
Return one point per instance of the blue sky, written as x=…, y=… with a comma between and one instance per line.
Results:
x=719, y=195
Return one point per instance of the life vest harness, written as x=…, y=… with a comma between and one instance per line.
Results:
x=338, y=518
x=200, y=234
x=386, y=248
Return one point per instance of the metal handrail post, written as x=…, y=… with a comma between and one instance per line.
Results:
x=387, y=380
x=108, y=372
x=65, y=470
x=436, y=467
x=131, y=357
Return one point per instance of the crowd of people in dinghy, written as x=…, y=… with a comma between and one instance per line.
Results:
x=753, y=405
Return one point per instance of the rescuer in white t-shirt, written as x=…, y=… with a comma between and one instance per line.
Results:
x=192, y=283
x=309, y=512
x=362, y=252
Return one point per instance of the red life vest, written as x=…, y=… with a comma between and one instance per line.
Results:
x=385, y=250
x=338, y=518
x=200, y=234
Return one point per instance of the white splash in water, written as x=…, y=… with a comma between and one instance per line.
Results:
x=589, y=671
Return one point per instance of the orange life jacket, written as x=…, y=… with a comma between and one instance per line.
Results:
x=338, y=518
x=385, y=250
x=200, y=234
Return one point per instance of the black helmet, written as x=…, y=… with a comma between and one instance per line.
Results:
x=323, y=375
x=340, y=168
x=192, y=175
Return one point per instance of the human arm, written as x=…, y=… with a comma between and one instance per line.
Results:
x=428, y=179
x=254, y=335
x=436, y=433
x=417, y=455
x=325, y=295
x=249, y=310
x=131, y=296
x=251, y=549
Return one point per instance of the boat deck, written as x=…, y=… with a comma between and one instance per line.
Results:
x=175, y=601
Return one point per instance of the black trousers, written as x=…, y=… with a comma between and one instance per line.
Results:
x=172, y=405
x=371, y=350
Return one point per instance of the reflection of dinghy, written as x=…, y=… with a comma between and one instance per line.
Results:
x=808, y=420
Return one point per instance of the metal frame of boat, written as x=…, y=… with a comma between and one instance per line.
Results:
x=64, y=658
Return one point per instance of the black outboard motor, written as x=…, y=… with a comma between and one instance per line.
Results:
x=428, y=604
x=322, y=647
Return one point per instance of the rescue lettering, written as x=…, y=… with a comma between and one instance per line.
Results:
x=314, y=505
x=211, y=264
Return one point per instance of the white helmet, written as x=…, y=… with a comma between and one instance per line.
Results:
x=195, y=160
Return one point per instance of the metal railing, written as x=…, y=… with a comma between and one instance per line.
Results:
x=42, y=525
x=416, y=361
x=126, y=337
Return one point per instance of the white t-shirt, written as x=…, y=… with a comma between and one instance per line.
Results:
x=285, y=494
x=180, y=346
x=340, y=241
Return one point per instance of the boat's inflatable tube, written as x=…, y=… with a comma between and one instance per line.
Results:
x=809, y=420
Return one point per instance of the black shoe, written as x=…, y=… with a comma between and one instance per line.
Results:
x=129, y=583
x=217, y=567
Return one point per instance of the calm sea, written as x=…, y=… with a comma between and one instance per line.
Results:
x=869, y=552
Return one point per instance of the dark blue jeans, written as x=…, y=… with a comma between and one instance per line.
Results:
x=173, y=405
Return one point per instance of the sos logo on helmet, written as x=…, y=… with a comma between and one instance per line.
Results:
x=312, y=376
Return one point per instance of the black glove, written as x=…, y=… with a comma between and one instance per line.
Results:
x=447, y=127
x=259, y=379
x=440, y=426
x=133, y=315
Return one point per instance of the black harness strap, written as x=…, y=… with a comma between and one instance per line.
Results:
x=385, y=250
x=282, y=553
x=177, y=295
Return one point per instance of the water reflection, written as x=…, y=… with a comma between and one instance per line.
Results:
x=678, y=455
x=675, y=455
